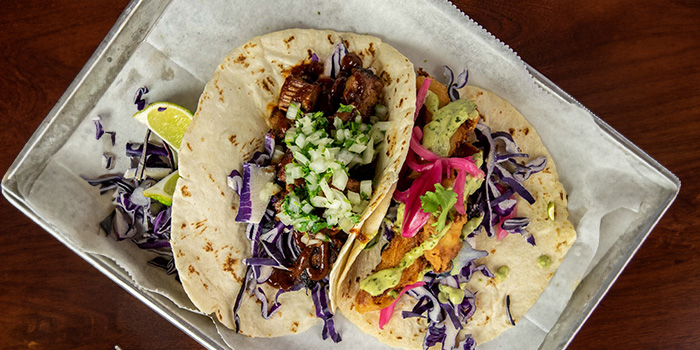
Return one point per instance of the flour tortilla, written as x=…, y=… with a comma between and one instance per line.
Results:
x=228, y=127
x=526, y=279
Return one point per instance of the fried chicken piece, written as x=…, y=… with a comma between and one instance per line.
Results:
x=460, y=139
x=449, y=246
x=391, y=257
x=399, y=246
x=435, y=86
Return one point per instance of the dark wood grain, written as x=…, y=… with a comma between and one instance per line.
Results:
x=636, y=64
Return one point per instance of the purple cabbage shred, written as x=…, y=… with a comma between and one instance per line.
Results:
x=504, y=178
x=332, y=65
x=145, y=222
x=455, y=83
x=99, y=130
x=510, y=318
x=272, y=246
x=445, y=319
x=139, y=99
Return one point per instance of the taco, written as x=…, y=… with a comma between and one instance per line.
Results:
x=472, y=236
x=297, y=138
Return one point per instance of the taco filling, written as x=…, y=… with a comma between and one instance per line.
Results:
x=304, y=195
x=460, y=179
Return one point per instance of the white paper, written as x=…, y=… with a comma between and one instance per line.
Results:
x=182, y=52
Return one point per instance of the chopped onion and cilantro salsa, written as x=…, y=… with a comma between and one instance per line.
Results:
x=323, y=161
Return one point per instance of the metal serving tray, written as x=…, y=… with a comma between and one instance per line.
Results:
x=128, y=33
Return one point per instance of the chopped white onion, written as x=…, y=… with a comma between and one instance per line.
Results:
x=300, y=157
x=290, y=135
x=357, y=148
x=318, y=165
x=301, y=140
x=368, y=154
x=307, y=208
x=381, y=111
x=292, y=111
x=326, y=189
x=340, y=179
x=320, y=202
x=366, y=188
x=345, y=157
x=354, y=197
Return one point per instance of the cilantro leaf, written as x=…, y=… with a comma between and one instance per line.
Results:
x=345, y=108
x=439, y=203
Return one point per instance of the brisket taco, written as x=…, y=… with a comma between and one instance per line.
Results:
x=476, y=228
x=297, y=139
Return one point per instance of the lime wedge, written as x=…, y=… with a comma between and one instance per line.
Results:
x=163, y=190
x=550, y=210
x=167, y=120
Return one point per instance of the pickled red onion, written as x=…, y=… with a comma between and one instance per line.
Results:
x=420, y=97
x=415, y=218
x=460, y=182
x=500, y=232
x=387, y=312
x=431, y=174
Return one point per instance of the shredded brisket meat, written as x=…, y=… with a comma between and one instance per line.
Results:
x=363, y=90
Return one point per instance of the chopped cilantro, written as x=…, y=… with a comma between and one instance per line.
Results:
x=345, y=108
x=318, y=226
x=440, y=202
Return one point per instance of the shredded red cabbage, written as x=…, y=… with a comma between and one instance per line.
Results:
x=334, y=61
x=99, y=130
x=319, y=295
x=438, y=313
x=147, y=223
x=139, y=99
x=504, y=178
x=510, y=318
x=249, y=185
x=454, y=84
x=272, y=244
x=108, y=160
x=135, y=149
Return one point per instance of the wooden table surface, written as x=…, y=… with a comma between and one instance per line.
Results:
x=636, y=64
